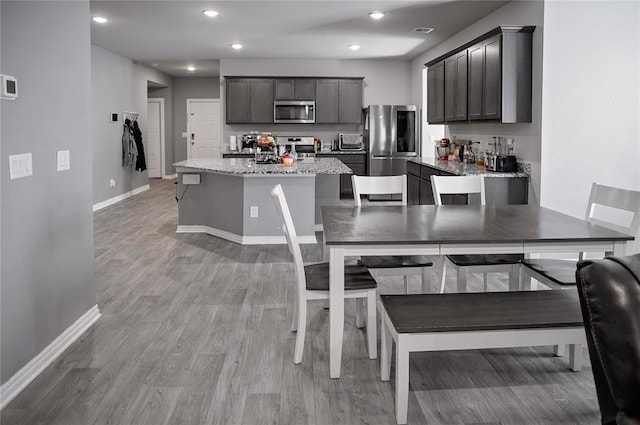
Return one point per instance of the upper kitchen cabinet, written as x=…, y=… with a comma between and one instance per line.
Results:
x=339, y=101
x=249, y=100
x=455, y=87
x=435, y=93
x=498, y=68
x=295, y=89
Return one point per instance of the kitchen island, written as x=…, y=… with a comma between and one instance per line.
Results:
x=231, y=198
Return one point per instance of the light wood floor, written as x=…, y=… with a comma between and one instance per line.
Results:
x=195, y=330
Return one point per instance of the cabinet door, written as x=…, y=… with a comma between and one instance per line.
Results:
x=492, y=91
x=238, y=100
x=327, y=101
x=475, y=81
x=350, y=101
x=304, y=89
x=455, y=87
x=284, y=89
x=261, y=101
x=435, y=93
x=413, y=189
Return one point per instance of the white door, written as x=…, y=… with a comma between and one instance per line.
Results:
x=203, y=128
x=155, y=110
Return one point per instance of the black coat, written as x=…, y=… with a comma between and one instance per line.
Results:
x=141, y=164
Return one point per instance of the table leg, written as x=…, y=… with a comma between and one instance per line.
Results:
x=336, y=309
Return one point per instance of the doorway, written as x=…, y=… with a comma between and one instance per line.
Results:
x=203, y=128
x=155, y=138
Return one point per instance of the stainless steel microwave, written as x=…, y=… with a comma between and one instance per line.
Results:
x=294, y=111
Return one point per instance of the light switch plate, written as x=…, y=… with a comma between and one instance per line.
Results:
x=20, y=166
x=64, y=160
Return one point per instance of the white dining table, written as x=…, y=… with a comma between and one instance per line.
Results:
x=443, y=230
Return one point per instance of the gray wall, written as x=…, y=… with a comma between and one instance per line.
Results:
x=385, y=82
x=527, y=136
x=47, y=279
x=189, y=88
x=117, y=85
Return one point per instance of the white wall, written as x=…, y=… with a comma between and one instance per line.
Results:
x=385, y=82
x=527, y=135
x=590, y=101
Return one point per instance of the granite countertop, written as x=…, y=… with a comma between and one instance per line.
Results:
x=247, y=166
x=246, y=152
x=456, y=167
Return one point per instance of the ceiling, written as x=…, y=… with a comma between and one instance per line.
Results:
x=171, y=35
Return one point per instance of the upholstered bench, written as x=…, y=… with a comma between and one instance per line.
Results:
x=464, y=321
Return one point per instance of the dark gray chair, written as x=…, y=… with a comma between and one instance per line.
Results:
x=609, y=291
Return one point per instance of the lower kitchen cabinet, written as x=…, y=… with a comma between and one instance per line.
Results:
x=498, y=190
x=355, y=161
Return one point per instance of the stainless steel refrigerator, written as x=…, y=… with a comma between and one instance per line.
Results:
x=392, y=135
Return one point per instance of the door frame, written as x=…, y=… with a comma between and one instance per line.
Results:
x=202, y=100
x=160, y=100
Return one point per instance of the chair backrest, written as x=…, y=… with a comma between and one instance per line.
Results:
x=290, y=234
x=379, y=185
x=457, y=185
x=617, y=199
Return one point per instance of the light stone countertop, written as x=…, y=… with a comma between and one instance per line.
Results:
x=460, y=169
x=247, y=166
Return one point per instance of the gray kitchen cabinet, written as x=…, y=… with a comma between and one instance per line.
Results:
x=350, y=101
x=338, y=101
x=498, y=190
x=455, y=87
x=327, y=101
x=295, y=89
x=357, y=163
x=499, y=77
x=435, y=93
x=249, y=100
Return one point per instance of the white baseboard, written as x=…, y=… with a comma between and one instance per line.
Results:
x=170, y=177
x=10, y=389
x=242, y=240
x=116, y=199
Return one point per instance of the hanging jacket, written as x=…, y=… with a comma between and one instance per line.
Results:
x=141, y=164
x=129, y=150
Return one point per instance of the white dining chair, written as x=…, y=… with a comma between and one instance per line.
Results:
x=391, y=265
x=312, y=282
x=476, y=263
x=607, y=207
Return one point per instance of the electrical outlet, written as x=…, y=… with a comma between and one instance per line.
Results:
x=112, y=183
x=254, y=212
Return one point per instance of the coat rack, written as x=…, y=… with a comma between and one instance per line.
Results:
x=131, y=116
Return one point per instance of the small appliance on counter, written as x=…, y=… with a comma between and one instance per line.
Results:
x=249, y=140
x=502, y=163
x=443, y=149
x=350, y=142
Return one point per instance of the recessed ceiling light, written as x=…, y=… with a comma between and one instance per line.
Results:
x=100, y=19
x=191, y=68
x=237, y=46
x=354, y=46
x=377, y=14
x=210, y=13
x=155, y=64
x=423, y=30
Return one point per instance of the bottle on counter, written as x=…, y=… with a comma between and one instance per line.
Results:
x=293, y=152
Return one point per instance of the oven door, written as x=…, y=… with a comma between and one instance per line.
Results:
x=298, y=112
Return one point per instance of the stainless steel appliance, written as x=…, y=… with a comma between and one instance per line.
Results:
x=391, y=137
x=350, y=142
x=304, y=146
x=503, y=163
x=294, y=111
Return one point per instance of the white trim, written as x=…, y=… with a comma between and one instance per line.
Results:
x=242, y=240
x=170, y=176
x=162, y=148
x=204, y=99
x=10, y=389
x=116, y=199
x=318, y=227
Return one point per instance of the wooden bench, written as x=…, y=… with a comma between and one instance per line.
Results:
x=463, y=321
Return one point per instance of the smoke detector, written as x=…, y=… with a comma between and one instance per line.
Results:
x=423, y=30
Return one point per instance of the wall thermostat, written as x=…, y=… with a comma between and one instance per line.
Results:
x=114, y=117
x=9, y=88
